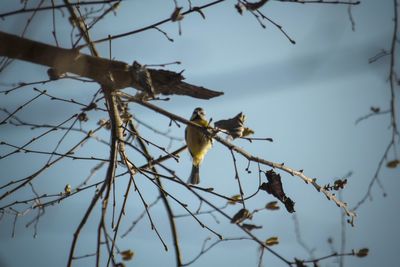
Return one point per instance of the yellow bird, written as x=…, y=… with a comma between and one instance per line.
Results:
x=197, y=142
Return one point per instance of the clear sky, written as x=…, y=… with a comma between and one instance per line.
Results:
x=306, y=96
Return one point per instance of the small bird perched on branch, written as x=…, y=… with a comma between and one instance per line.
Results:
x=197, y=142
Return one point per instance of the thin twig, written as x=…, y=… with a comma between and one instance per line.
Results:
x=52, y=7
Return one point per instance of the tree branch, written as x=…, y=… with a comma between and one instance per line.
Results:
x=99, y=69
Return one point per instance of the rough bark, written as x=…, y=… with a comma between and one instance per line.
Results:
x=101, y=70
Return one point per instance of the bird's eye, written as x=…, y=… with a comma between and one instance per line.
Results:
x=198, y=112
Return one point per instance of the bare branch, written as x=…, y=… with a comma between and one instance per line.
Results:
x=53, y=7
x=96, y=68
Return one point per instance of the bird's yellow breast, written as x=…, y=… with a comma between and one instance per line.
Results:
x=198, y=143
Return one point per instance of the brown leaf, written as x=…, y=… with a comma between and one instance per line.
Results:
x=127, y=255
x=393, y=163
x=247, y=131
x=176, y=15
x=234, y=126
x=241, y=215
x=275, y=188
x=83, y=117
x=104, y=123
x=362, y=252
x=235, y=199
x=251, y=227
x=67, y=189
x=274, y=240
x=273, y=205
x=339, y=184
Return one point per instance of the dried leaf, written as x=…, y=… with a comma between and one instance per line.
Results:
x=234, y=126
x=115, y=7
x=289, y=204
x=176, y=15
x=362, y=252
x=82, y=117
x=235, y=199
x=251, y=227
x=104, y=123
x=272, y=241
x=339, y=184
x=67, y=189
x=241, y=215
x=127, y=255
x=393, y=163
x=247, y=131
x=275, y=188
x=273, y=205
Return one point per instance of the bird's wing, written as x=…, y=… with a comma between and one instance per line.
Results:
x=186, y=139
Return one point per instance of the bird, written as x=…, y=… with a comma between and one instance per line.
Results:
x=198, y=143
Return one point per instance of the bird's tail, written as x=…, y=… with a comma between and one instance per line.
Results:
x=194, y=175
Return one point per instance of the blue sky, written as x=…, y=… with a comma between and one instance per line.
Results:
x=307, y=97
